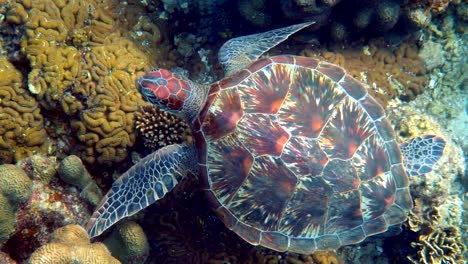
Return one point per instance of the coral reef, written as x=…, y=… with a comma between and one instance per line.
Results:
x=22, y=130
x=15, y=189
x=159, y=128
x=70, y=244
x=390, y=72
x=84, y=66
x=73, y=172
x=128, y=243
x=50, y=206
x=39, y=167
x=440, y=246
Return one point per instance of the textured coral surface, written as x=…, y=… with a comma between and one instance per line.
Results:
x=70, y=244
x=84, y=68
x=21, y=123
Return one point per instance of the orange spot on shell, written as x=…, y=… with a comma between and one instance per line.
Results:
x=280, y=142
x=275, y=105
x=316, y=123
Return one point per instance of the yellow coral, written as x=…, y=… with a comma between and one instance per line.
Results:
x=389, y=72
x=443, y=245
x=70, y=244
x=84, y=65
x=21, y=123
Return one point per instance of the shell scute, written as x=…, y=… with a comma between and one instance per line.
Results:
x=328, y=242
x=375, y=226
x=372, y=107
x=309, y=105
x=352, y=236
x=300, y=157
x=309, y=202
x=399, y=176
x=332, y=71
x=275, y=240
x=353, y=87
x=403, y=199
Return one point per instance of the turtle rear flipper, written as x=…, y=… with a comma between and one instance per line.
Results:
x=143, y=184
x=237, y=53
x=420, y=154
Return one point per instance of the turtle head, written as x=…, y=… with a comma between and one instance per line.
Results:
x=172, y=93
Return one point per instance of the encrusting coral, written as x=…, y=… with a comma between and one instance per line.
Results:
x=73, y=172
x=84, y=65
x=390, y=72
x=21, y=123
x=159, y=128
x=71, y=244
x=15, y=188
x=128, y=243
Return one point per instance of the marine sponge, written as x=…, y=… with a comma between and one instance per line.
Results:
x=21, y=123
x=159, y=128
x=70, y=244
x=128, y=243
x=73, y=172
x=15, y=188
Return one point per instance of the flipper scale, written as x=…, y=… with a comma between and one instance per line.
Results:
x=143, y=184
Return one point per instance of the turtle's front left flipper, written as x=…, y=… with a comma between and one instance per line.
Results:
x=143, y=184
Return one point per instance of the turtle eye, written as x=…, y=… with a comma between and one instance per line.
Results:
x=164, y=89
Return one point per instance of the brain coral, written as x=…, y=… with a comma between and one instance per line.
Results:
x=15, y=188
x=84, y=67
x=21, y=123
x=70, y=244
x=128, y=243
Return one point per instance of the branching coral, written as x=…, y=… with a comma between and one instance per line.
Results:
x=390, y=72
x=159, y=128
x=84, y=66
x=70, y=244
x=440, y=246
x=21, y=123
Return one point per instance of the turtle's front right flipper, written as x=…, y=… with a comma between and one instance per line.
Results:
x=143, y=184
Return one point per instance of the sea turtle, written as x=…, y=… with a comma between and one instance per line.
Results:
x=293, y=153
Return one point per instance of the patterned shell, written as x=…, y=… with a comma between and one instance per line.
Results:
x=299, y=157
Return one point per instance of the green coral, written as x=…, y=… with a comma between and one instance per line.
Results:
x=128, y=243
x=70, y=244
x=73, y=172
x=15, y=188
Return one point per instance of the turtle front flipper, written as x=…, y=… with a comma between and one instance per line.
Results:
x=237, y=53
x=421, y=153
x=143, y=184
